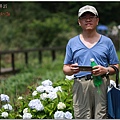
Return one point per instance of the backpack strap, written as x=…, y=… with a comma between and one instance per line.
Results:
x=117, y=74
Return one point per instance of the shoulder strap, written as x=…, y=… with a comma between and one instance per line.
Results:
x=117, y=74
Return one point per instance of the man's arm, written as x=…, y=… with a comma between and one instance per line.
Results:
x=111, y=70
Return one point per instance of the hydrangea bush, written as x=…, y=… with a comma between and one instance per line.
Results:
x=46, y=101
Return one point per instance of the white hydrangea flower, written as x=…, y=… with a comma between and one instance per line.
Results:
x=25, y=110
x=49, y=89
x=4, y=114
x=4, y=98
x=7, y=107
x=40, y=89
x=43, y=96
x=68, y=115
x=20, y=98
x=36, y=104
x=34, y=93
x=52, y=95
x=39, y=107
x=59, y=115
x=61, y=105
x=56, y=89
x=47, y=83
x=27, y=116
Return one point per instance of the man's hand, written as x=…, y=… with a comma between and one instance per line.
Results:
x=99, y=70
x=70, y=69
x=74, y=68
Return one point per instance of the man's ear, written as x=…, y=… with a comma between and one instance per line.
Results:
x=97, y=21
x=79, y=22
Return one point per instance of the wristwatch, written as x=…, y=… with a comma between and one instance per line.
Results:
x=108, y=72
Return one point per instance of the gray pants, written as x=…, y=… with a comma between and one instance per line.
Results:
x=90, y=102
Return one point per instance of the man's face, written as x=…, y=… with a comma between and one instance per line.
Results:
x=88, y=21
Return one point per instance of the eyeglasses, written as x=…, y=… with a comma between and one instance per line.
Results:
x=86, y=18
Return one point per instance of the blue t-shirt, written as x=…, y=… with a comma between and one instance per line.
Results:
x=103, y=52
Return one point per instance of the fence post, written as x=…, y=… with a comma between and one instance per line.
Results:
x=40, y=56
x=53, y=55
x=0, y=63
x=26, y=58
x=13, y=62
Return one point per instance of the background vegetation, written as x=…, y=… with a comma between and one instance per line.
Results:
x=32, y=75
x=39, y=24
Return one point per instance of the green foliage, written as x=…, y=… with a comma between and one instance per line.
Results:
x=64, y=98
x=24, y=84
x=49, y=31
x=39, y=24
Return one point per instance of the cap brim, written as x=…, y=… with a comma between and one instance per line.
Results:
x=80, y=14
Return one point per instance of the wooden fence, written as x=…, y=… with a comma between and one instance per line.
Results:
x=13, y=70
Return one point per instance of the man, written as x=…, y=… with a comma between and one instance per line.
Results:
x=87, y=102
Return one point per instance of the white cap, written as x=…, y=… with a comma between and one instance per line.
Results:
x=87, y=8
x=92, y=59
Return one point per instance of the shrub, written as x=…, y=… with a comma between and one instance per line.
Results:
x=46, y=101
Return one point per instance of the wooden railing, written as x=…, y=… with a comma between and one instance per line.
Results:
x=12, y=69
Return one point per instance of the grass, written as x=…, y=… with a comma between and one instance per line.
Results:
x=33, y=74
